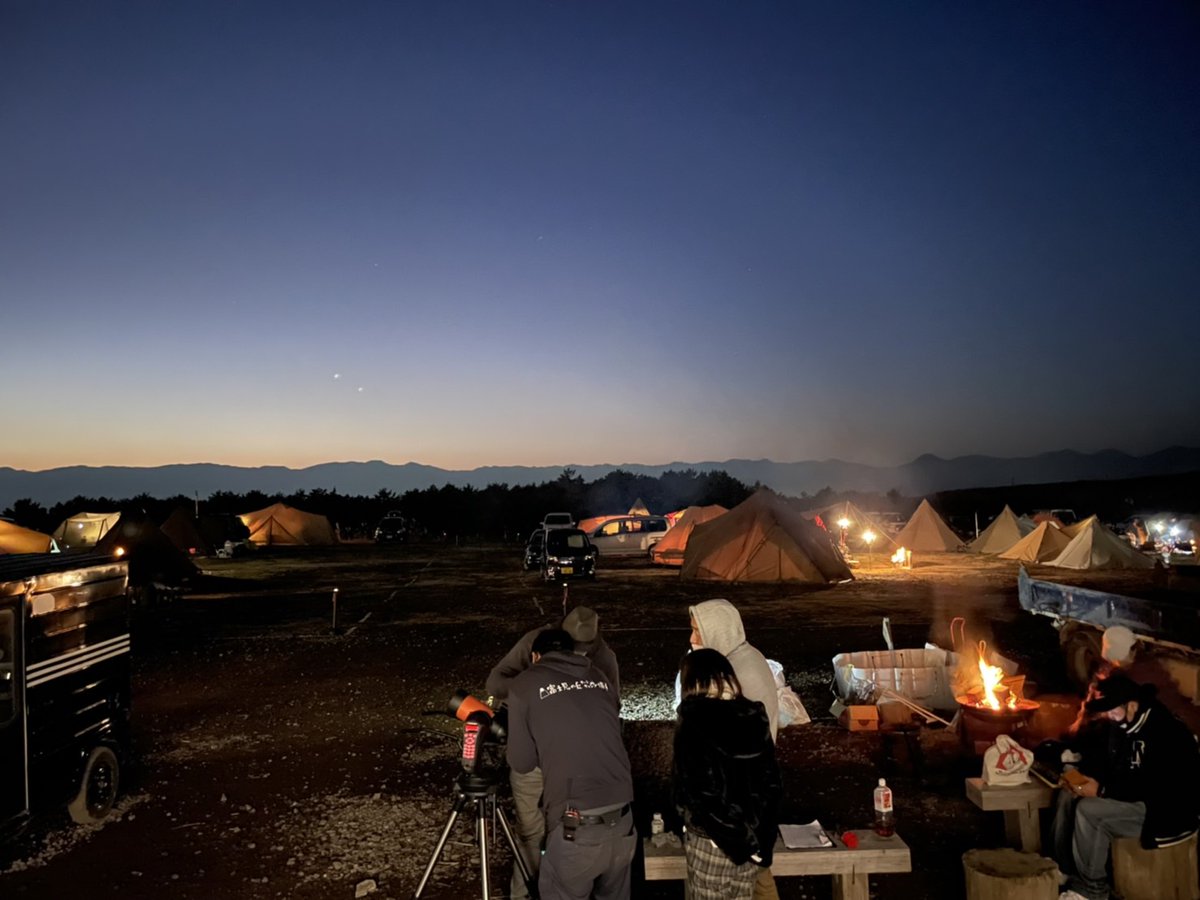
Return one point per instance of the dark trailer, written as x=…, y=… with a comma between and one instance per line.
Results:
x=64, y=683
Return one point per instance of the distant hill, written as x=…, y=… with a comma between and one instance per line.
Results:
x=925, y=475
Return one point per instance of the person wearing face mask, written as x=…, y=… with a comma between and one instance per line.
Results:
x=1151, y=786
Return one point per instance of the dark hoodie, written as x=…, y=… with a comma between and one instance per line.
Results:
x=726, y=781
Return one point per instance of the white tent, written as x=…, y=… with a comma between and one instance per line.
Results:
x=1095, y=547
x=927, y=532
x=84, y=529
x=1006, y=529
x=1043, y=543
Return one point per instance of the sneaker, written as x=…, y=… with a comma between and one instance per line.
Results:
x=1071, y=895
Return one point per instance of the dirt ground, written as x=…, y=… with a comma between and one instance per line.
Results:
x=274, y=758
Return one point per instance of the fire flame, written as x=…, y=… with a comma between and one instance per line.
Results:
x=992, y=676
x=899, y=556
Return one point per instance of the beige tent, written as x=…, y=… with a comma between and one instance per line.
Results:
x=1095, y=547
x=638, y=508
x=181, y=528
x=927, y=532
x=280, y=525
x=763, y=539
x=15, y=539
x=1072, y=530
x=860, y=523
x=669, y=551
x=84, y=529
x=1006, y=529
x=1042, y=544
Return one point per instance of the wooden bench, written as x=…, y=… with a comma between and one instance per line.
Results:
x=1019, y=803
x=849, y=868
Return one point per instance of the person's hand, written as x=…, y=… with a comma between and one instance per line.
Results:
x=1089, y=788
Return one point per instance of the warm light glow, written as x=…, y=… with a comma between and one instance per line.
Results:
x=868, y=537
x=899, y=556
x=992, y=676
x=120, y=551
x=1158, y=526
x=843, y=523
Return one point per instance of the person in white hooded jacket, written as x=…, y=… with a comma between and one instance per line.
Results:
x=717, y=624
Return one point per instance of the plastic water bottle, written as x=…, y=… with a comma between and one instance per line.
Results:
x=885, y=817
x=656, y=824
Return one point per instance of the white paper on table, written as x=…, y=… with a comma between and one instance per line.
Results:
x=804, y=837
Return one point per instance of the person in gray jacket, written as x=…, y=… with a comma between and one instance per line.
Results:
x=563, y=719
x=583, y=625
x=717, y=624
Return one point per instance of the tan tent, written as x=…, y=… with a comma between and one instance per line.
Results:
x=638, y=508
x=1006, y=529
x=1042, y=544
x=84, y=529
x=151, y=554
x=860, y=523
x=281, y=525
x=763, y=539
x=669, y=550
x=927, y=532
x=181, y=528
x=1095, y=547
x=1072, y=530
x=15, y=539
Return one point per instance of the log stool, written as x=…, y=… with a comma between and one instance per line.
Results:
x=1165, y=874
x=1009, y=875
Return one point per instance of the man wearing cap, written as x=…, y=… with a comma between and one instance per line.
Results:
x=583, y=625
x=1119, y=649
x=1150, y=787
x=563, y=719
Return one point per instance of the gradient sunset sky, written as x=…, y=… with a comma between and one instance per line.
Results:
x=469, y=233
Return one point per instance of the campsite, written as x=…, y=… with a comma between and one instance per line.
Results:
x=277, y=757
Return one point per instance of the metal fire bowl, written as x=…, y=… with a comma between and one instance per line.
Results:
x=982, y=724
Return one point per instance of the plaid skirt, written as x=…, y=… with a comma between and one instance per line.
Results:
x=711, y=875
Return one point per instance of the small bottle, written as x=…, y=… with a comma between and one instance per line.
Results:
x=885, y=817
x=656, y=824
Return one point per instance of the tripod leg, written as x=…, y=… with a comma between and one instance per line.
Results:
x=437, y=851
x=482, y=829
x=518, y=854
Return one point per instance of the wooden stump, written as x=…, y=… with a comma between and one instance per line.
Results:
x=1166, y=874
x=1009, y=875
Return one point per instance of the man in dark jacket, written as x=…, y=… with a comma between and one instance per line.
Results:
x=563, y=718
x=1151, y=788
x=583, y=625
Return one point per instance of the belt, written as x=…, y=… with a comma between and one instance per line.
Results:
x=607, y=818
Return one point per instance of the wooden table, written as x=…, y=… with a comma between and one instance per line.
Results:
x=849, y=868
x=1019, y=803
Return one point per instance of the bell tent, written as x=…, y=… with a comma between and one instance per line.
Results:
x=280, y=525
x=927, y=532
x=1095, y=547
x=15, y=539
x=1041, y=545
x=152, y=557
x=84, y=529
x=1071, y=530
x=639, y=508
x=1006, y=529
x=184, y=533
x=763, y=539
x=669, y=551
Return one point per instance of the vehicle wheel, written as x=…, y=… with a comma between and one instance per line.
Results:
x=1081, y=651
x=97, y=788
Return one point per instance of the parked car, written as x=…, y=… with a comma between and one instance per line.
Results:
x=535, y=550
x=392, y=529
x=558, y=520
x=569, y=554
x=629, y=535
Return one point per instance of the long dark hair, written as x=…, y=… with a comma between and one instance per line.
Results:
x=707, y=673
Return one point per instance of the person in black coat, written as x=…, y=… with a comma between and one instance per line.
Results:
x=726, y=780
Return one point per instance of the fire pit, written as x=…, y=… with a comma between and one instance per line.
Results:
x=998, y=708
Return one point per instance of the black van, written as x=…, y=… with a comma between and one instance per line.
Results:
x=64, y=684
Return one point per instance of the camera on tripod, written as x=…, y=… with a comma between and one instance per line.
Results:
x=484, y=732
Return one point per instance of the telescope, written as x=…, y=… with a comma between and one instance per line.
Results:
x=481, y=725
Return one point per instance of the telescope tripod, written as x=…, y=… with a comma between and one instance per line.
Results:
x=479, y=792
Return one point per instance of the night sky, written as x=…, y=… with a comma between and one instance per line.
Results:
x=469, y=233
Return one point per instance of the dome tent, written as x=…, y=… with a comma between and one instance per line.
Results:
x=15, y=539
x=763, y=539
x=669, y=551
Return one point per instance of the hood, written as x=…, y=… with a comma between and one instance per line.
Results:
x=720, y=625
x=737, y=727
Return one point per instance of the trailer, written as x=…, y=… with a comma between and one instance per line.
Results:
x=64, y=684
x=1167, y=626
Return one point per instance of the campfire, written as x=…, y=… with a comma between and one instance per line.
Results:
x=997, y=707
x=902, y=558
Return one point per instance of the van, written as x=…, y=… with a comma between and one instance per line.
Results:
x=558, y=520
x=64, y=684
x=629, y=535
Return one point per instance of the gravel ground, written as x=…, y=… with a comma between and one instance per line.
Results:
x=273, y=758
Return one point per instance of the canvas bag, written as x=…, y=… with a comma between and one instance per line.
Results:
x=791, y=709
x=1006, y=762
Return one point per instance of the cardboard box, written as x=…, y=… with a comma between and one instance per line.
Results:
x=855, y=717
x=892, y=712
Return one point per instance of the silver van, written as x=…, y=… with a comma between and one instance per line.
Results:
x=629, y=535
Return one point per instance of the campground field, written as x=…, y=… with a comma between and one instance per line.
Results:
x=274, y=758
